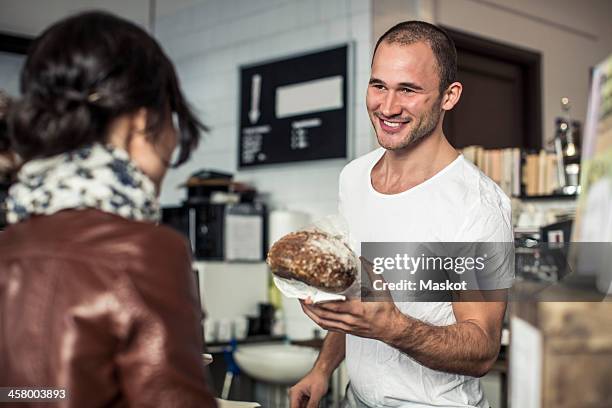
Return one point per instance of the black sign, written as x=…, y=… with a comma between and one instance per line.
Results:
x=294, y=109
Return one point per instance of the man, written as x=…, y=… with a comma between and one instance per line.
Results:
x=415, y=188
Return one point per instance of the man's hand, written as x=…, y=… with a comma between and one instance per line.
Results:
x=308, y=392
x=364, y=319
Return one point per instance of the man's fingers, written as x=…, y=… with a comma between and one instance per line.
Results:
x=339, y=317
x=316, y=394
x=327, y=324
x=313, y=402
x=295, y=397
x=379, y=294
x=368, y=266
x=335, y=326
x=323, y=322
x=323, y=308
x=310, y=314
x=346, y=306
x=324, y=314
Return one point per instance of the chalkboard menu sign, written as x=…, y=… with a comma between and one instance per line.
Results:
x=294, y=109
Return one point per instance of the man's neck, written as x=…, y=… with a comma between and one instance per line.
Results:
x=401, y=170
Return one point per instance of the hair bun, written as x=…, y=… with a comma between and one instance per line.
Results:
x=47, y=127
x=60, y=99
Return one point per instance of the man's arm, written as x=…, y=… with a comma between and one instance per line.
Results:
x=331, y=354
x=467, y=347
x=311, y=389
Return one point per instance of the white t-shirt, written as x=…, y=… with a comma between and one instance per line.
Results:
x=458, y=204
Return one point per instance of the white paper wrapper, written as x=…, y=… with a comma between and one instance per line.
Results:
x=294, y=289
x=336, y=226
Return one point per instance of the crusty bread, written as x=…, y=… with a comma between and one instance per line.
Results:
x=315, y=258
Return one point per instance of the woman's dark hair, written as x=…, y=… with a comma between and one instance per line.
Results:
x=85, y=71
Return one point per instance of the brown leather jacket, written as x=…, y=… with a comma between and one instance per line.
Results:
x=103, y=307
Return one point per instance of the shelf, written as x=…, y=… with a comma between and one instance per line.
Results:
x=220, y=346
x=526, y=230
x=548, y=197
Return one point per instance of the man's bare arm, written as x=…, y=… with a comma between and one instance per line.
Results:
x=468, y=347
x=331, y=354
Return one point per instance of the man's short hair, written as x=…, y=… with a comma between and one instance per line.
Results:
x=443, y=47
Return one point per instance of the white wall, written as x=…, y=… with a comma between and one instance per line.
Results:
x=572, y=36
x=30, y=17
x=10, y=67
x=209, y=40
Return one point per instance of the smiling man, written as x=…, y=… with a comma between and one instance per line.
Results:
x=414, y=188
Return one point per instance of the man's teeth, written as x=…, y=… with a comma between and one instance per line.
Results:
x=391, y=124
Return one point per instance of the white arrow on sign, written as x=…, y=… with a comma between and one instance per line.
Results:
x=255, y=93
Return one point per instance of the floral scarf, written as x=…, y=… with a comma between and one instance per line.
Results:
x=96, y=176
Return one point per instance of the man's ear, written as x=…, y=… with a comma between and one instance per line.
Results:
x=451, y=96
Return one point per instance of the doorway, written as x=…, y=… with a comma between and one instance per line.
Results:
x=500, y=106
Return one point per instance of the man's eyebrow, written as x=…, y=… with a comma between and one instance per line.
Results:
x=410, y=85
x=376, y=81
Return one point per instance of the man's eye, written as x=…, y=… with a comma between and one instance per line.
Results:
x=378, y=86
x=406, y=90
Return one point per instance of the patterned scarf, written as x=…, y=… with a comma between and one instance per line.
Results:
x=97, y=176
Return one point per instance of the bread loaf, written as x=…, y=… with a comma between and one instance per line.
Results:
x=315, y=258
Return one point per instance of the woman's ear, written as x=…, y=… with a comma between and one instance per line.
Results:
x=138, y=122
x=137, y=133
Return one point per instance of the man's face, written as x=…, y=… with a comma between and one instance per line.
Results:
x=403, y=98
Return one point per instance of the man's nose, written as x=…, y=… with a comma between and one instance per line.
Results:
x=390, y=106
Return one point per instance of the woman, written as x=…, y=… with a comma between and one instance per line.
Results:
x=95, y=298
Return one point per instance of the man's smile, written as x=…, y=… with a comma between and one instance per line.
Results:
x=392, y=126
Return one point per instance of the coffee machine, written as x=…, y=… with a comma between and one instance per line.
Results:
x=223, y=219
